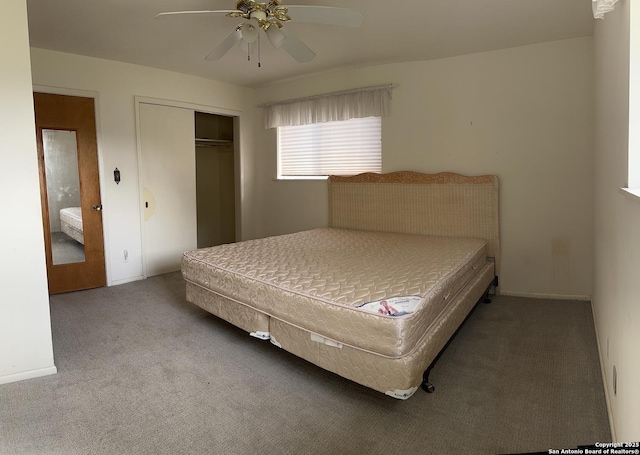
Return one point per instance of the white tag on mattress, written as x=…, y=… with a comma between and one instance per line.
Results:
x=402, y=394
x=328, y=342
x=393, y=306
x=261, y=335
x=275, y=343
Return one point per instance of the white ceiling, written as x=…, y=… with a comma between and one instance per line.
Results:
x=393, y=31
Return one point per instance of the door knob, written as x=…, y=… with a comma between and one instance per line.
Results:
x=97, y=207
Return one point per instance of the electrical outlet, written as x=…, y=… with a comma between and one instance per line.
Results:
x=125, y=256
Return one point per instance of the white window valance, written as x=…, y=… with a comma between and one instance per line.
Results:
x=601, y=7
x=329, y=107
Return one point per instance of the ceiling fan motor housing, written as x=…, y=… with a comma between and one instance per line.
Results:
x=265, y=13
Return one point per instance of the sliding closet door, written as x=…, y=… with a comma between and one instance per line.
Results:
x=168, y=168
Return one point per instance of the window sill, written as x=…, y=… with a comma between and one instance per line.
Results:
x=631, y=193
x=312, y=178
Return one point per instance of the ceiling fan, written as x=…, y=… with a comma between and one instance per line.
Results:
x=269, y=16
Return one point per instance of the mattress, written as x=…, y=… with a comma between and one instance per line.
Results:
x=323, y=282
x=71, y=223
x=398, y=377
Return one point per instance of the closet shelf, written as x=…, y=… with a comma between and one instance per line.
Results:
x=213, y=142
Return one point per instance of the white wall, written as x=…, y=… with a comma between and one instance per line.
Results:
x=25, y=327
x=115, y=85
x=525, y=114
x=616, y=301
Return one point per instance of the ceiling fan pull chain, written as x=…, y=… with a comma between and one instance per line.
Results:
x=259, y=60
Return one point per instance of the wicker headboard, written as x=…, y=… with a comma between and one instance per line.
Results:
x=410, y=202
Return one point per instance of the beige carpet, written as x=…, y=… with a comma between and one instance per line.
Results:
x=140, y=371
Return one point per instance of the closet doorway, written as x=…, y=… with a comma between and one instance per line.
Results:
x=188, y=171
x=215, y=180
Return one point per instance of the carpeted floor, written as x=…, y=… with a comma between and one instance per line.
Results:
x=140, y=371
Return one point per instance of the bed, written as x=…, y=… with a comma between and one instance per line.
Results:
x=376, y=295
x=71, y=223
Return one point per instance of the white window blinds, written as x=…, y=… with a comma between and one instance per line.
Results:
x=337, y=133
x=333, y=148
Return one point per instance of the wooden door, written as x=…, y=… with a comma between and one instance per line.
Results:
x=70, y=192
x=168, y=168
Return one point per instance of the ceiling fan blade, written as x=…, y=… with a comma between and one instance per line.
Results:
x=276, y=36
x=345, y=17
x=296, y=48
x=184, y=13
x=230, y=40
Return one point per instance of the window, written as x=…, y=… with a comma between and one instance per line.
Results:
x=336, y=133
x=344, y=147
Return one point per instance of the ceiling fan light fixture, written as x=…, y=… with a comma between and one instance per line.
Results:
x=249, y=31
x=275, y=35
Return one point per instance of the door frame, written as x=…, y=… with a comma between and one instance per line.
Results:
x=237, y=120
x=103, y=190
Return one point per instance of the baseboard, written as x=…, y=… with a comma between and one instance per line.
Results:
x=607, y=398
x=535, y=295
x=126, y=280
x=28, y=374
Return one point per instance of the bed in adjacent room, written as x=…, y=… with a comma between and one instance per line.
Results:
x=375, y=296
x=71, y=223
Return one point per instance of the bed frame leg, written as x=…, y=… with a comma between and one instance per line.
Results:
x=485, y=296
x=426, y=385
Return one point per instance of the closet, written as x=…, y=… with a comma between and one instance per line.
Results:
x=215, y=179
x=188, y=172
